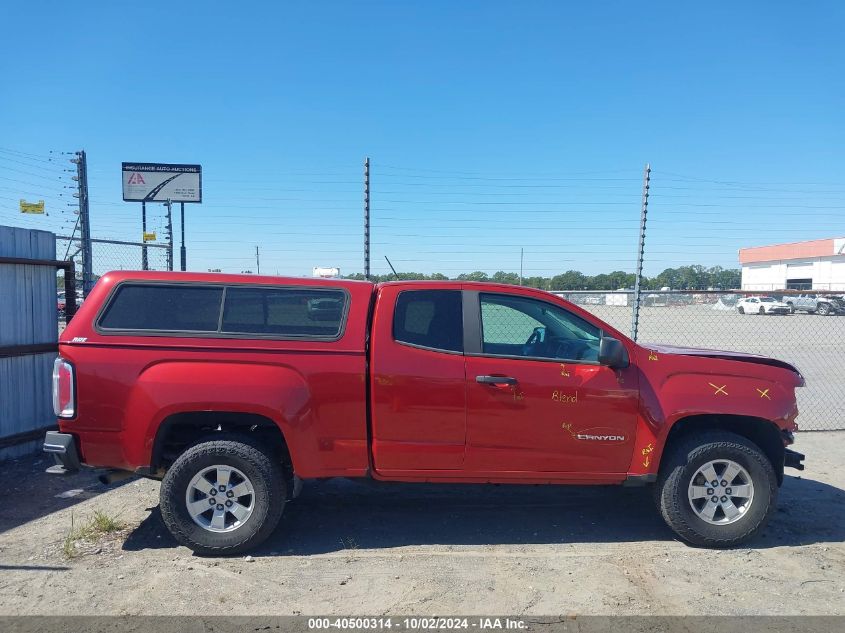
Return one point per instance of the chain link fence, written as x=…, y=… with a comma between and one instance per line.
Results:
x=806, y=329
x=107, y=255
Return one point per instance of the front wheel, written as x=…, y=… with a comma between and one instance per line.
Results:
x=716, y=489
x=823, y=309
x=222, y=496
x=741, y=310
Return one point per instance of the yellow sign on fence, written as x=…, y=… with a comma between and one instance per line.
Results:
x=32, y=207
x=149, y=237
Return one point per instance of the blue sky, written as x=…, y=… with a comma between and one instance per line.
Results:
x=491, y=126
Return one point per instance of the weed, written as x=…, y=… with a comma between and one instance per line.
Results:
x=69, y=544
x=100, y=523
x=105, y=524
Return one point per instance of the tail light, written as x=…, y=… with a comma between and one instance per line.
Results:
x=64, y=393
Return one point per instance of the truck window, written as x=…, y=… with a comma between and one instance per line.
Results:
x=284, y=312
x=168, y=308
x=521, y=326
x=429, y=318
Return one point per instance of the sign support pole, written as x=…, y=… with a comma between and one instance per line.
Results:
x=183, y=253
x=169, y=206
x=144, y=263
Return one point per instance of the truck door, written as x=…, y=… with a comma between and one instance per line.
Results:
x=538, y=401
x=418, y=388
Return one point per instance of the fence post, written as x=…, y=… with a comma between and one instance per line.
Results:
x=635, y=317
x=81, y=161
x=367, y=218
x=70, y=290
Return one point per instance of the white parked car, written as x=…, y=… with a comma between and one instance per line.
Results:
x=761, y=305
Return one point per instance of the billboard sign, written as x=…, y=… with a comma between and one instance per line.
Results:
x=32, y=207
x=159, y=182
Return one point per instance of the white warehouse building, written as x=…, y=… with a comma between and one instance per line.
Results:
x=813, y=265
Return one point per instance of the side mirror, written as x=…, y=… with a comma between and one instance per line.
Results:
x=612, y=353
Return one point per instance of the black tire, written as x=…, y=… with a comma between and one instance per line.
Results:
x=680, y=465
x=264, y=473
x=762, y=310
x=823, y=309
x=741, y=310
x=791, y=308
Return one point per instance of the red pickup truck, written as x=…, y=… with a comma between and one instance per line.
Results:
x=232, y=389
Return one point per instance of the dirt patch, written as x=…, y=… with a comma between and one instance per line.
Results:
x=357, y=547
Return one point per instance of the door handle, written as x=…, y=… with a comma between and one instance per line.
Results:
x=495, y=380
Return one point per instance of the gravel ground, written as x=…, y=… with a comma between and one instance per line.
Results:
x=349, y=547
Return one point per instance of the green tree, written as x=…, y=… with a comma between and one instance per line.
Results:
x=475, y=276
x=619, y=279
x=505, y=278
x=570, y=280
x=543, y=283
x=690, y=277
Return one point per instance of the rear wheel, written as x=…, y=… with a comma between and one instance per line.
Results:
x=222, y=496
x=741, y=310
x=762, y=310
x=716, y=489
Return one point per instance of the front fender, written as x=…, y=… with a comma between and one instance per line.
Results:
x=687, y=394
x=674, y=387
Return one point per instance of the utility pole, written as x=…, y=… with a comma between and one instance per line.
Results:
x=257, y=262
x=367, y=218
x=183, y=253
x=635, y=317
x=81, y=162
x=145, y=264
x=521, y=258
x=169, y=227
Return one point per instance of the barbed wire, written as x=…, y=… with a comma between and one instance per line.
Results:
x=437, y=219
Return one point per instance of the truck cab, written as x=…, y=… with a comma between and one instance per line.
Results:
x=814, y=304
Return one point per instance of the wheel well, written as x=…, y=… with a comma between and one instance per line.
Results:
x=178, y=431
x=762, y=432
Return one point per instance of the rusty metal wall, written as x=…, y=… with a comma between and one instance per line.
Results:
x=27, y=317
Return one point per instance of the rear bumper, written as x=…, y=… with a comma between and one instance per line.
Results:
x=63, y=448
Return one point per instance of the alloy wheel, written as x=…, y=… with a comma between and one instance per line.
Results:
x=220, y=498
x=721, y=492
